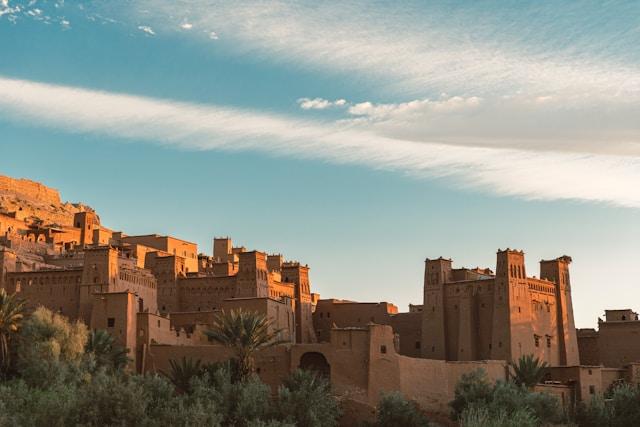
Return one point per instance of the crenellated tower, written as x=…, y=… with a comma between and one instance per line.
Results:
x=557, y=271
x=437, y=272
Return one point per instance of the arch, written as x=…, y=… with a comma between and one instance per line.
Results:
x=315, y=362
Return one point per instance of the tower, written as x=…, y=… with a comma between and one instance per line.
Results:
x=557, y=271
x=512, y=334
x=222, y=248
x=294, y=272
x=437, y=272
x=86, y=222
x=7, y=263
x=252, y=277
x=99, y=275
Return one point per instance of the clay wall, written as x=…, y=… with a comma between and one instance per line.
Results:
x=116, y=313
x=205, y=293
x=588, y=346
x=279, y=312
x=28, y=189
x=619, y=343
x=58, y=290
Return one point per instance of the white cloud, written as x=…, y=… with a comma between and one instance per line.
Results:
x=416, y=107
x=320, y=103
x=146, y=29
x=529, y=174
x=186, y=26
x=213, y=35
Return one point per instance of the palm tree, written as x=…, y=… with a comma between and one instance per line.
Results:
x=244, y=332
x=106, y=351
x=182, y=372
x=529, y=371
x=11, y=314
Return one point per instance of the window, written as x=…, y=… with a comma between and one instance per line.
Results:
x=383, y=349
x=111, y=322
x=417, y=345
x=548, y=342
x=590, y=372
x=592, y=389
x=537, y=340
x=433, y=349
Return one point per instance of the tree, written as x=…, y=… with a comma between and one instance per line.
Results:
x=183, y=372
x=396, y=411
x=50, y=347
x=529, y=371
x=472, y=389
x=244, y=332
x=11, y=315
x=106, y=352
x=305, y=400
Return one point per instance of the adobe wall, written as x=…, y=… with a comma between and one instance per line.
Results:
x=273, y=363
x=619, y=343
x=588, y=347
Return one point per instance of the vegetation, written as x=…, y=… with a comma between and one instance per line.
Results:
x=395, y=411
x=529, y=371
x=105, y=351
x=11, y=314
x=478, y=403
x=244, y=332
x=621, y=408
x=65, y=375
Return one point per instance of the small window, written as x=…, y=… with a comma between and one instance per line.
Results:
x=383, y=349
x=328, y=315
x=590, y=372
x=537, y=340
x=592, y=389
x=158, y=323
x=433, y=349
x=549, y=342
x=417, y=345
x=111, y=322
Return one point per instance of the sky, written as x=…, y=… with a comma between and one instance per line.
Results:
x=357, y=137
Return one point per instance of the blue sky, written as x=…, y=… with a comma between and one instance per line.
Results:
x=360, y=138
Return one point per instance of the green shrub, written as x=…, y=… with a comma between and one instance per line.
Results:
x=472, y=389
x=593, y=413
x=305, y=400
x=395, y=411
x=478, y=416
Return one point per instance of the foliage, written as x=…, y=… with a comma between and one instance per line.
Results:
x=473, y=388
x=11, y=315
x=50, y=348
x=622, y=409
x=305, y=400
x=105, y=351
x=244, y=332
x=593, y=413
x=395, y=411
x=183, y=372
x=478, y=416
x=529, y=371
x=477, y=402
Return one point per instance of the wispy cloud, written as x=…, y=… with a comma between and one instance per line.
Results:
x=146, y=29
x=320, y=103
x=540, y=175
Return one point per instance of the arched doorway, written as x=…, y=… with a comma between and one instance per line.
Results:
x=315, y=362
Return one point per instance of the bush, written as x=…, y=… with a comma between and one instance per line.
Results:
x=593, y=413
x=395, y=411
x=478, y=416
x=476, y=400
x=51, y=349
x=472, y=389
x=305, y=400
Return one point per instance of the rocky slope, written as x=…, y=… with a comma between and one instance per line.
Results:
x=31, y=199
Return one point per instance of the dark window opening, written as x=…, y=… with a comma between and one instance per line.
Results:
x=383, y=349
x=417, y=345
x=111, y=322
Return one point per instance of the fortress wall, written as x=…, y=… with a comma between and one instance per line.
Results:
x=29, y=190
x=431, y=383
x=273, y=362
